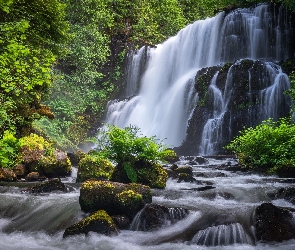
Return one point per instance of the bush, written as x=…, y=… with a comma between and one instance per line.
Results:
x=269, y=147
x=130, y=151
x=9, y=146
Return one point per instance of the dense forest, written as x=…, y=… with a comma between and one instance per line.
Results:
x=62, y=60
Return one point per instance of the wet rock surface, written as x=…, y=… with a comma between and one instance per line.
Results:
x=274, y=223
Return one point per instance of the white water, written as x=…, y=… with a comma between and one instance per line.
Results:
x=274, y=83
x=165, y=95
x=224, y=213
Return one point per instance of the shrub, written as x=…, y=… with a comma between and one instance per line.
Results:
x=130, y=150
x=9, y=146
x=269, y=147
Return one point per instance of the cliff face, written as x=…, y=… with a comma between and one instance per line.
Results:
x=231, y=98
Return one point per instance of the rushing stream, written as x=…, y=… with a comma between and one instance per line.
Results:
x=219, y=218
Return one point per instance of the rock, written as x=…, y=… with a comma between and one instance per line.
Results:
x=152, y=175
x=34, y=176
x=51, y=162
x=123, y=222
x=76, y=157
x=48, y=186
x=184, y=173
x=171, y=157
x=7, y=175
x=111, y=196
x=154, y=216
x=128, y=202
x=186, y=178
x=98, y=222
x=20, y=170
x=94, y=166
x=287, y=193
x=56, y=165
x=273, y=223
x=200, y=160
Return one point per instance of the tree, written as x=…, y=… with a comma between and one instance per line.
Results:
x=32, y=34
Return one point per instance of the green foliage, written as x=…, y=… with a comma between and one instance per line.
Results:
x=291, y=91
x=268, y=147
x=9, y=148
x=130, y=150
x=94, y=166
x=35, y=142
x=32, y=35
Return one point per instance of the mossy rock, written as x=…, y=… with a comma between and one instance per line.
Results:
x=7, y=175
x=38, y=155
x=129, y=202
x=171, y=156
x=56, y=164
x=93, y=166
x=76, y=157
x=105, y=195
x=99, y=222
x=48, y=186
x=152, y=175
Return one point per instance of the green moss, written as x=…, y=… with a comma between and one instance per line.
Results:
x=154, y=176
x=99, y=222
x=106, y=195
x=129, y=202
x=93, y=166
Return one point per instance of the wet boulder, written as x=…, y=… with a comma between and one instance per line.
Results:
x=75, y=157
x=48, y=186
x=94, y=166
x=150, y=174
x=274, y=223
x=34, y=176
x=20, y=170
x=287, y=193
x=123, y=222
x=113, y=197
x=7, y=175
x=154, y=216
x=182, y=173
x=57, y=164
x=98, y=222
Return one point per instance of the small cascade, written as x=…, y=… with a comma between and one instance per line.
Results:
x=161, y=95
x=146, y=221
x=222, y=235
x=264, y=96
x=135, y=69
x=212, y=129
x=273, y=98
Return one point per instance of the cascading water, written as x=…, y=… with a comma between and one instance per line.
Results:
x=272, y=102
x=165, y=93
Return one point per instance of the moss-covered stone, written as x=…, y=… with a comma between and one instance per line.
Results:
x=38, y=155
x=106, y=195
x=129, y=202
x=7, y=175
x=154, y=176
x=99, y=222
x=56, y=164
x=93, y=166
x=48, y=186
x=76, y=157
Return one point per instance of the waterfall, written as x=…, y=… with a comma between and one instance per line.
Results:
x=222, y=235
x=160, y=92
